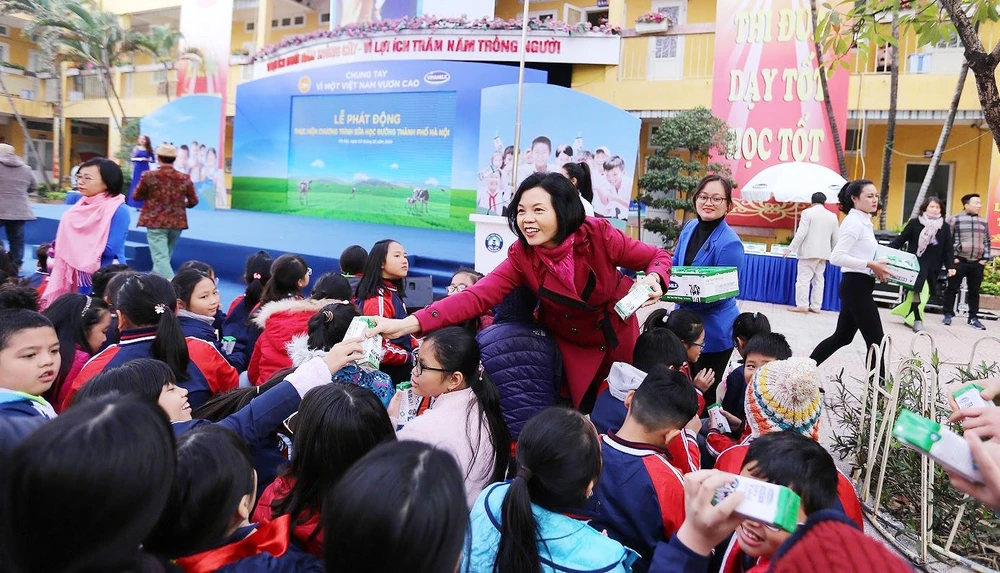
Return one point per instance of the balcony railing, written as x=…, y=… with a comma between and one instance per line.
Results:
x=21, y=85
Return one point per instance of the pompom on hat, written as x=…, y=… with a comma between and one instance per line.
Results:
x=785, y=395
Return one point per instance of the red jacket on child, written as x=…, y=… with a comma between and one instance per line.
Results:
x=304, y=533
x=279, y=321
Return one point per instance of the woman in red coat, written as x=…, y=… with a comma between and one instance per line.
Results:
x=570, y=263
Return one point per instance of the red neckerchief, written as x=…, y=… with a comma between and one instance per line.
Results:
x=272, y=537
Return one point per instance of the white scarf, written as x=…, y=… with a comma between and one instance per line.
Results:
x=931, y=228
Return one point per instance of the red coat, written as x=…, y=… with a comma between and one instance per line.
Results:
x=590, y=334
x=305, y=532
x=279, y=321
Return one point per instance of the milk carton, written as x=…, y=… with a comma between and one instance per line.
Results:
x=970, y=397
x=636, y=297
x=763, y=502
x=702, y=284
x=372, y=347
x=716, y=420
x=409, y=403
x=903, y=267
x=937, y=442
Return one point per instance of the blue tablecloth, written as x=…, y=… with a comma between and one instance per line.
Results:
x=770, y=278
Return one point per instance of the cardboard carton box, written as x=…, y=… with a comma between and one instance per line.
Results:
x=702, y=284
x=904, y=266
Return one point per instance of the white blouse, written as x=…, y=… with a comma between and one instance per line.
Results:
x=856, y=243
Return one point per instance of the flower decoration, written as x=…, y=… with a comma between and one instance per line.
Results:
x=422, y=23
x=654, y=18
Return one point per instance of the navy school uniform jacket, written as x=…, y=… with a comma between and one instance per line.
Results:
x=19, y=417
x=238, y=325
x=239, y=358
x=256, y=423
x=640, y=497
x=256, y=548
x=208, y=372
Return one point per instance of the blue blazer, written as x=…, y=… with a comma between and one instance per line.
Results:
x=722, y=249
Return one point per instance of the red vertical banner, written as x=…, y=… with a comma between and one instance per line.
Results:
x=206, y=27
x=992, y=204
x=766, y=87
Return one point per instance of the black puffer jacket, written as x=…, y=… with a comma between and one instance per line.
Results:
x=522, y=359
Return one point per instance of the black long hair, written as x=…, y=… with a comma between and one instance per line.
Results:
x=221, y=406
x=457, y=350
x=214, y=473
x=256, y=275
x=584, y=183
x=565, y=202
x=149, y=300
x=331, y=286
x=111, y=174
x=184, y=283
x=286, y=272
x=142, y=378
x=96, y=478
x=328, y=326
x=336, y=426
x=73, y=315
x=558, y=456
x=849, y=191
x=371, y=278
x=402, y=507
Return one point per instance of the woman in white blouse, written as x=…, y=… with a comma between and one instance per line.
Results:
x=855, y=255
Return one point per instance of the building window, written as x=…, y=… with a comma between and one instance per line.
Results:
x=4, y=52
x=854, y=141
x=299, y=21
x=290, y=22
x=4, y=31
x=666, y=47
x=324, y=18
x=542, y=15
x=250, y=26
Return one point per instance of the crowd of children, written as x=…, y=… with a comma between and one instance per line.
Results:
x=198, y=440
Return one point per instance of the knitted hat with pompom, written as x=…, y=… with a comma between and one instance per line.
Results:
x=785, y=395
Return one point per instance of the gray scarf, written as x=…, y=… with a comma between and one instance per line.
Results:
x=931, y=228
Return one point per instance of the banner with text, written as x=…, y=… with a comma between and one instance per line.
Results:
x=991, y=207
x=436, y=45
x=391, y=142
x=206, y=26
x=766, y=86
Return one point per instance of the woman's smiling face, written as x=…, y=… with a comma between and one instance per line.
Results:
x=536, y=218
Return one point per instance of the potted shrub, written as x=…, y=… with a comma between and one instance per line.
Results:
x=989, y=293
x=652, y=23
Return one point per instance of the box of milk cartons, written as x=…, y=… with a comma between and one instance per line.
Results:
x=371, y=346
x=903, y=267
x=702, y=284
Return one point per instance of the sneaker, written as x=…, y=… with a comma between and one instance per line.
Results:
x=947, y=320
x=974, y=323
x=918, y=326
x=816, y=310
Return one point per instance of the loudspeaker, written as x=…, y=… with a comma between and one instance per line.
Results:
x=419, y=292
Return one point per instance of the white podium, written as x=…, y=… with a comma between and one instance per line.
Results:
x=493, y=238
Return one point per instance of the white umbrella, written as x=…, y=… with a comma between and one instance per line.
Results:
x=793, y=182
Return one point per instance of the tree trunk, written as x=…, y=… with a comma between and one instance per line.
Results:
x=942, y=140
x=166, y=74
x=890, y=130
x=110, y=82
x=29, y=142
x=830, y=117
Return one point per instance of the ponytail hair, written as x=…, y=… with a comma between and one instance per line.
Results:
x=286, y=272
x=328, y=326
x=558, y=457
x=584, y=182
x=456, y=350
x=256, y=275
x=149, y=300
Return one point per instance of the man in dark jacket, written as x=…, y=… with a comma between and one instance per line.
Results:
x=16, y=181
x=522, y=359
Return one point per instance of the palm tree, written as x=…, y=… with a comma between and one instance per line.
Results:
x=830, y=117
x=163, y=43
x=890, y=130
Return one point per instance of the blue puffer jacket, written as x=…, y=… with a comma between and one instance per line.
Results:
x=522, y=359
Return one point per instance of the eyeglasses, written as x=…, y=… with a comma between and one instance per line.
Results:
x=85, y=178
x=418, y=366
x=698, y=344
x=778, y=529
x=452, y=289
x=713, y=200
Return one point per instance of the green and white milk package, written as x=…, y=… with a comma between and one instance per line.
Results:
x=702, y=284
x=371, y=346
x=716, y=420
x=903, y=267
x=970, y=397
x=937, y=442
x=409, y=403
x=763, y=502
x=631, y=302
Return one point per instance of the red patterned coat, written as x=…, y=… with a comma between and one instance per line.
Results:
x=167, y=193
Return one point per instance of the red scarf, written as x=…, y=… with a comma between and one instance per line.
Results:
x=559, y=261
x=272, y=537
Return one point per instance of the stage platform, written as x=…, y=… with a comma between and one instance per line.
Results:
x=224, y=239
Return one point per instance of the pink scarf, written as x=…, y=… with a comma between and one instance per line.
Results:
x=80, y=242
x=560, y=261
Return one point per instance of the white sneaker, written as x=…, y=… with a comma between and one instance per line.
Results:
x=918, y=326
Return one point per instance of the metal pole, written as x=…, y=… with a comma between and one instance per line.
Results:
x=520, y=97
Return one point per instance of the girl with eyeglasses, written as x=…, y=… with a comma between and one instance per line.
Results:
x=282, y=314
x=461, y=280
x=380, y=293
x=708, y=241
x=465, y=417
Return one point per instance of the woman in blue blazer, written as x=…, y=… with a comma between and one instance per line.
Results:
x=709, y=242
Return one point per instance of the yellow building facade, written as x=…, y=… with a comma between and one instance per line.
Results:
x=654, y=77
